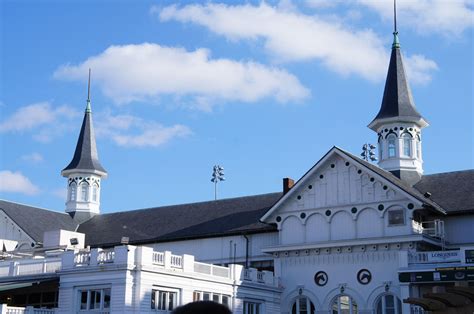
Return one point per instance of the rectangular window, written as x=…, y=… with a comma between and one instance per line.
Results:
x=396, y=217
x=252, y=307
x=97, y=300
x=210, y=296
x=164, y=300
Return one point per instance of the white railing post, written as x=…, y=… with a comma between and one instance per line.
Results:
x=94, y=256
x=188, y=263
x=167, y=259
x=3, y=309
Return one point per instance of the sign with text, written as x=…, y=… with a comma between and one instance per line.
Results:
x=444, y=256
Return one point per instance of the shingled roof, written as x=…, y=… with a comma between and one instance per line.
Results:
x=397, y=102
x=454, y=191
x=85, y=155
x=178, y=222
x=36, y=221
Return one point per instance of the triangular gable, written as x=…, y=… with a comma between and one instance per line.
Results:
x=339, y=179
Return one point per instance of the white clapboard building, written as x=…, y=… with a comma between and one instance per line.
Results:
x=347, y=237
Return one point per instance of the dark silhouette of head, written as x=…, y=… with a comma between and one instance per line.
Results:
x=202, y=307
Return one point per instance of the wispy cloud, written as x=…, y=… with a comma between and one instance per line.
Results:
x=146, y=71
x=289, y=35
x=33, y=157
x=41, y=117
x=132, y=131
x=16, y=182
x=449, y=18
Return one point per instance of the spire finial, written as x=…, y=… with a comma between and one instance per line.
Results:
x=88, y=107
x=396, y=43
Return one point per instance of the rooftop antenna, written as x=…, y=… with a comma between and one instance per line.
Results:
x=88, y=107
x=396, y=43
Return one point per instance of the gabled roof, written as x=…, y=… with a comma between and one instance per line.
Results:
x=178, y=222
x=85, y=156
x=454, y=191
x=370, y=167
x=36, y=221
x=397, y=103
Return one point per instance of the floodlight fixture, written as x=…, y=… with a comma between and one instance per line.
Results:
x=217, y=176
x=74, y=241
x=368, y=153
x=124, y=240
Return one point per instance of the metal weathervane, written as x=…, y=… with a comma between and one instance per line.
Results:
x=217, y=176
x=368, y=153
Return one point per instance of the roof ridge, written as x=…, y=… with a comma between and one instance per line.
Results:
x=447, y=172
x=32, y=206
x=192, y=203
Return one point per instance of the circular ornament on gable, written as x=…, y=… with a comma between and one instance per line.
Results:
x=328, y=212
x=278, y=219
x=321, y=278
x=364, y=276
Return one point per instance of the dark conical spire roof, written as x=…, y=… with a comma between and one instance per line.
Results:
x=397, y=102
x=85, y=157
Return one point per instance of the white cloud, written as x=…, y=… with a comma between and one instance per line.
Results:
x=41, y=117
x=418, y=67
x=33, y=157
x=132, y=131
x=146, y=71
x=450, y=18
x=293, y=36
x=16, y=182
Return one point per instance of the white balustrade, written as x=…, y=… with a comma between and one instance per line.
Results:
x=15, y=310
x=159, y=258
x=202, y=268
x=106, y=257
x=260, y=277
x=176, y=261
x=220, y=271
x=82, y=258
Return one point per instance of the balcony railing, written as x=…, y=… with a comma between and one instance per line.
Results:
x=23, y=267
x=129, y=256
x=433, y=228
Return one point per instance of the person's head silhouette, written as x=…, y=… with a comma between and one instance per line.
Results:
x=202, y=307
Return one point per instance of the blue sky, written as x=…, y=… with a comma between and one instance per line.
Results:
x=263, y=88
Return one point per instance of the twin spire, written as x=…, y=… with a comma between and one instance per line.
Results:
x=397, y=102
x=86, y=158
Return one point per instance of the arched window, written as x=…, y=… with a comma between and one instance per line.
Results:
x=391, y=139
x=388, y=304
x=344, y=304
x=406, y=144
x=303, y=305
x=72, y=191
x=95, y=192
x=84, y=192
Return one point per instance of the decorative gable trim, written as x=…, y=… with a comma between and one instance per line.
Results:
x=303, y=184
